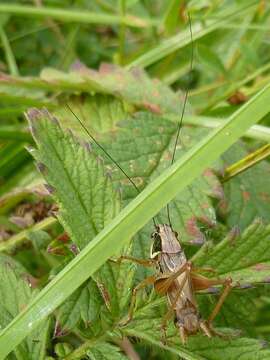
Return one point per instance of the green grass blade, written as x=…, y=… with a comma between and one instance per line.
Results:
x=176, y=42
x=132, y=218
x=73, y=15
x=15, y=132
x=10, y=58
x=258, y=132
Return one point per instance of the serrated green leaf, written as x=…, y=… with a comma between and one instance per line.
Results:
x=245, y=257
x=133, y=86
x=95, y=203
x=15, y=294
x=85, y=303
x=199, y=347
x=82, y=177
x=105, y=351
x=247, y=195
x=239, y=311
x=99, y=113
x=115, y=282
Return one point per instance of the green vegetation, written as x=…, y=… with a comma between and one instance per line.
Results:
x=67, y=212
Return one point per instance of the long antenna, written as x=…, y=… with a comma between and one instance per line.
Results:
x=105, y=152
x=183, y=108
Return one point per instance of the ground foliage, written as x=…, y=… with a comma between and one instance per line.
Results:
x=126, y=83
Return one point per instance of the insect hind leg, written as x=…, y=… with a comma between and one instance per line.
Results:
x=226, y=290
x=205, y=328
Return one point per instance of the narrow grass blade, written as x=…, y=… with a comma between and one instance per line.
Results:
x=73, y=15
x=10, y=58
x=182, y=39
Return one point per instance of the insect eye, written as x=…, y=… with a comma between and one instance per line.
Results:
x=176, y=234
x=156, y=244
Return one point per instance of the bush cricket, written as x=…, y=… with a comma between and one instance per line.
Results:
x=176, y=277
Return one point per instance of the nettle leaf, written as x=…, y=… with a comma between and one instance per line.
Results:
x=239, y=311
x=84, y=304
x=99, y=113
x=246, y=257
x=247, y=195
x=15, y=293
x=105, y=351
x=115, y=282
x=233, y=349
x=198, y=347
x=86, y=196
x=76, y=178
x=134, y=86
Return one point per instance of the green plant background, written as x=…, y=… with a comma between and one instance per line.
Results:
x=123, y=67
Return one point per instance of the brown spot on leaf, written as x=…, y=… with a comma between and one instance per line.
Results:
x=246, y=196
x=155, y=93
x=167, y=156
x=106, y=68
x=223, y=206
x=217, y=192
x=208, y=173
x=193, y=230
x=64, y=237
x=152, y=107
x=237, y=98
x=206, y=221
x=233, y=235
x=204, y=205
x=261, y=267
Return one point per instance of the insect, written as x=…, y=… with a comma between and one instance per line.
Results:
x=176, y=277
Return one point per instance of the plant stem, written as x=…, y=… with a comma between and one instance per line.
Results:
x=10, y=58
x=73, y=15
x=18, y=239
x=258, y=132
x=247, y=162
x=122, y=31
